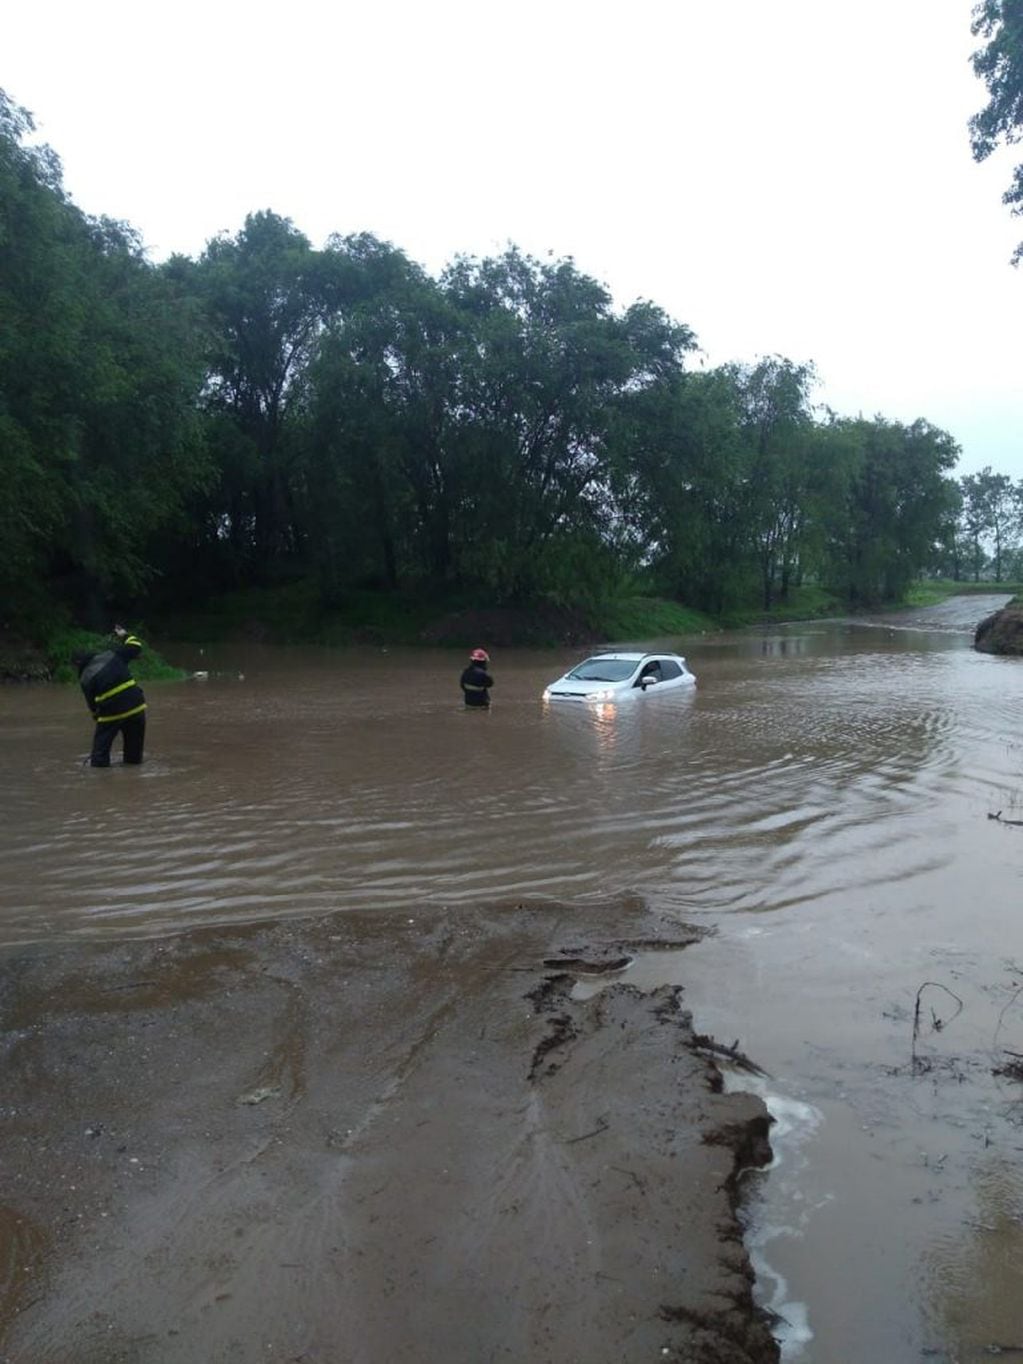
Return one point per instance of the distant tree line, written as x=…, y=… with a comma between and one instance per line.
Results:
x=271, y=410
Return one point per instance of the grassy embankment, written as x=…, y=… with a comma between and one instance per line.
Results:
x=931, y=592
x=148, y=667
x=293, y=614
x=804, y=603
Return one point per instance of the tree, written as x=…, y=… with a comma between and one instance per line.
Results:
x=551, y=363
x=470, y=416
x=999, y=64
x=1003, y=514
x=31, y=210
x=378, y=493
x=974, y=521
x=99, y=445
x=776, y=425
x=680, y=476
x=267, y=296
x=898, y=498
x=949, y=548
x=989, y=508
x=137, y=451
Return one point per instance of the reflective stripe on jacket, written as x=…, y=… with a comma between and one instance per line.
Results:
x=110, y=691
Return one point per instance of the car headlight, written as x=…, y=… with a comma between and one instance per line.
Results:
x=604, y=695
x=546, y=694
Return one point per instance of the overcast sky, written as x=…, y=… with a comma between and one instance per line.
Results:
x=786, y=176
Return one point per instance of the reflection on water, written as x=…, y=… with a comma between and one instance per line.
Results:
x=820, y=798
x=973, y=1276
x=804, y=765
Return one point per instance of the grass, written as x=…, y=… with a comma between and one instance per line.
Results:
x=293, y=613
x=928, y=592
x=148, y=667
x=650, y=618
x=289, y=614
x=809, y=602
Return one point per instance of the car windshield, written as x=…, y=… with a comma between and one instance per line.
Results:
x=604, y=670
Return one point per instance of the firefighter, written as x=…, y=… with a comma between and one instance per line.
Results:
x=476, y=681
x=115, y=700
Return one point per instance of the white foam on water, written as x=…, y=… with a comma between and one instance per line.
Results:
x=783, y=1210
x=795, y=1123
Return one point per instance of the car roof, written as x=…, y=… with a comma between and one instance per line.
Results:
x=627, y=656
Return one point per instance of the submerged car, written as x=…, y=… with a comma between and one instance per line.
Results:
x=617, y=676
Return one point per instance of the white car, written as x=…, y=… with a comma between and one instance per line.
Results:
x=620, y=676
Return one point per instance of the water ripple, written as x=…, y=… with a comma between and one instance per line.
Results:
x=816, y=775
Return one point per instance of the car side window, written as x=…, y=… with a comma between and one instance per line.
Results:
x=651, y=672
x=669, y=669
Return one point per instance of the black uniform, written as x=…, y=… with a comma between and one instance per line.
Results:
x=476, y=683
x=115, y=700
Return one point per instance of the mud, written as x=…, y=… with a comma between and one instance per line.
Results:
x=367, y=1138
x=1002, y=631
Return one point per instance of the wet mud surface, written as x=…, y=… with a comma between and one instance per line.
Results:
x=366, y=1138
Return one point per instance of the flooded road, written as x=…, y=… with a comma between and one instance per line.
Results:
x=821, y=800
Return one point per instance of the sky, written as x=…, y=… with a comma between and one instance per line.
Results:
x=787, y=177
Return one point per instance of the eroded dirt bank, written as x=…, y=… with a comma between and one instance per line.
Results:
x=367, y=1139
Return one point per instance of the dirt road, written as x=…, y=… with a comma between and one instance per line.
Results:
x=366, y=1139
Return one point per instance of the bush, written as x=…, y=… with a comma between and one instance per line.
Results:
x=148, y=667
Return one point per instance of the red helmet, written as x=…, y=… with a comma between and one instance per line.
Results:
x=480, y=656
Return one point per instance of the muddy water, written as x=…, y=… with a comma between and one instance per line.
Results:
x=822, y=800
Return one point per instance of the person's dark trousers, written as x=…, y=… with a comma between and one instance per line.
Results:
x=134, y=731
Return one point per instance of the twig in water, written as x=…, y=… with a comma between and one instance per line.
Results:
x=998, y=1025
x=604, y=1125
x=936, y=1023
x=631, y=1174
x=704, y=1042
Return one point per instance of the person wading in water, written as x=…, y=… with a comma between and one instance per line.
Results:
x=476, y=681
x=115, y=700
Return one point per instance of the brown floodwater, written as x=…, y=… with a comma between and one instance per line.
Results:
x=821, y=799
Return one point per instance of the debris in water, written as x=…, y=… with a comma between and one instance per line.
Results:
x=256, y=1096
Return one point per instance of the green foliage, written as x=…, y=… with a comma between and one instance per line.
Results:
x=99, y=436
x=809, y=602
x=780, y=468
x=989, y=510
x=288, y=613
x=644, y=618
x=678, y=476
x=266, y=296
x=362, y=442
x=999, y=64
x=931, y=591
x=896, y=497
x=469, y=417
x=62, y=644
